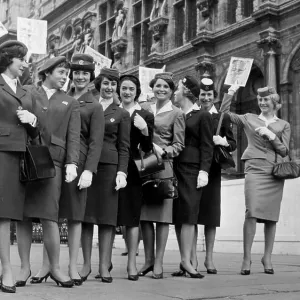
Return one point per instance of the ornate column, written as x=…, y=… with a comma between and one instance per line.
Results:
x=287, y=101
x=205, y=67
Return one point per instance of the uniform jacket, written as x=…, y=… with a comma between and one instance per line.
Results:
x=92, y=130
x=116, y=142
x=14, y=134
x=198, y=140
x=259, y=147
x=59, y=124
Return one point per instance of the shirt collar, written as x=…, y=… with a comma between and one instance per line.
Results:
x=194, y=107
x=49, y=92
x=213, y=110
x=165, y=108
x=132, y=109
x=270, y=121
x=9, y=80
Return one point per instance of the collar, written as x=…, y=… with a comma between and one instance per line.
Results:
x=49, y=92
x=194, y=107
x=213, y=110
x=102, y=100
x=11, y=82
x=132, y=109
x=270, y=121
x=165, y=108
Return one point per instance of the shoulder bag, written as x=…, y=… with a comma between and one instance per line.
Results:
x=286, y=170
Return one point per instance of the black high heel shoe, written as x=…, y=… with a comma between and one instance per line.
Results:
x=35, y=280
x=146, y=271
x=210, y=271
x=267, y=271
x=64, y=284
x=84, y=278
x=192, y=275
x=106, y=279
x=21, y=283
x=98, y=276
x=76, y=281
x=6, y=288
x=246, y=272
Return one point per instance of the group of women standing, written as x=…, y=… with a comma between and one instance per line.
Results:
x=93, y=145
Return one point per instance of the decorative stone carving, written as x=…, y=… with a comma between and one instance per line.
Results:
x=120, y=25
x=205, y=7
x=53, y=45
x=205, y=66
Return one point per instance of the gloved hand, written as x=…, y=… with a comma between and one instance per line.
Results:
x=265, y=132
x=26, y=117
x=139, y=122
x=159, y=150
x=85, y=179
x=71, y=172
x=218, y=140
x=120, y=181
x=233, y=89
x=202, y=179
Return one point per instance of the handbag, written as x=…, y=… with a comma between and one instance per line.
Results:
x=286, y=170
x=157, y=189
x=150, y=163
x=36, y=163
x=221, y=155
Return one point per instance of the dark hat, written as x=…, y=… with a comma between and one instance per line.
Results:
x=164, y=75
x=83, y=62
x=129, y=76
x=109, y=72
x=192, y=84
x=207, y=84
x=266, y=91
x=51, y=63
x=11, y=44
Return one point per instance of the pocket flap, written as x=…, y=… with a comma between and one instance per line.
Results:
x=4, y=131
x=57, y=141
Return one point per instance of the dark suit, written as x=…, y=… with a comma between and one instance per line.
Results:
x=13, y=140
x=197, y=155
x=59, y=123
x=102, y=203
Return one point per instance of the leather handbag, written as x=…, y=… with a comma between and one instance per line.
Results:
x=149, y=163
x=286, y=170
x=221, y=155
x=36, y=164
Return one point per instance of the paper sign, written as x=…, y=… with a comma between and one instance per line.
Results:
x=145, y=76
x=33, y=33
x=101, y=61
x=3, y=30
x=239, y=70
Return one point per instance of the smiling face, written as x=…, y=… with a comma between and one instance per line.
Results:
x=266, y=105
x=57, y=78
x=162, y=90
x=108, y=88
x=127, y=91
x=81, y=79
x=206, y=99
x=17, y=67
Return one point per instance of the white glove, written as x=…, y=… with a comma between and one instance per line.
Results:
x=265, y=132
x=159, y=150
x=85, y=179
x=202, y=179
x=120, y=181
x=218, y=140
x=26, y=117
x=233, y=89
x=139, y=122
x=71, y=172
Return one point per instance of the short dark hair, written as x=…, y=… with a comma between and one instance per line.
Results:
x=8, y=53
x=91, y=72
x=170, y=82
x=137, y=83
x=64, y=64
x=100, y=78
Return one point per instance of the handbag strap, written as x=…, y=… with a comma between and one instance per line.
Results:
x=174, y=175
x=220, y=124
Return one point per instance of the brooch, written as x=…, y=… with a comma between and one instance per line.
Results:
x=112, y=120
x=65, y=102
x=81, y=62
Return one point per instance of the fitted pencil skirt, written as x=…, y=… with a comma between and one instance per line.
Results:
x=263, y=192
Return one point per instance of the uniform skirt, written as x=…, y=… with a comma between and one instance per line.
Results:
x=210, y=204
x=186, y=207
x=73, y=200
x=12, y=191
x=102, y=198
x=42, y=198
x=130, y=198
x=161, y=212
x=263, y=192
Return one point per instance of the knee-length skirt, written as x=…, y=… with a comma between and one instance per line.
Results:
x=12, y=191
x=161, y=212
x=42, y=198
x=186, y=207
x=263, y=192
x=102, y=197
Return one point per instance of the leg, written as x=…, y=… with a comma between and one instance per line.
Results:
x=24, y=237
x=210, y=235
x=248, y=237
x=124, y=233
x=86, y=244
x=132, y=237
x=74, y=234
x=270, y=230
x=178, y=233
x=194, y=250
x=7, y=275
x=148, y=240
x=162, y=233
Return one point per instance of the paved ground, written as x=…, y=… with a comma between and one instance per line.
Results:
x=228, y=284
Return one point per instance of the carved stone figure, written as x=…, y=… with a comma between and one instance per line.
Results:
x=159, y=9
x=120, y=25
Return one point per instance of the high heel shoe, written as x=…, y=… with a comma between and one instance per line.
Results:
x=76, y=281
x=64, y=284
x=179, y=273
x=210, y=271
x=35, y=280
x=158, y=276
x=192, y=275
x=133, y=277
x=106, y=279
x=267, y=271
x=21, y=283
x=6, y=288
x=246, y=272
x=98, y=276
x=84, y=278
x=146, y=271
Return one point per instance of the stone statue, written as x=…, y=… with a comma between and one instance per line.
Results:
x=78, y=40
x=88, y=37
x=120, y=25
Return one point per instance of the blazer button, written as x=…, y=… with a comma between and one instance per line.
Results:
x=44, y=108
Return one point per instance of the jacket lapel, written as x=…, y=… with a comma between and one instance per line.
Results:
x=20, y=91
x=110, y=110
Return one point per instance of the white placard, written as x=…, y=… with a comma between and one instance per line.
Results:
x=145, y=76
x=33, y=33
x=238, y=71
x=3, y=30
x=101, y=61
